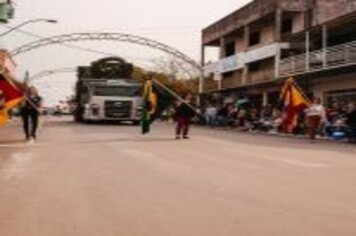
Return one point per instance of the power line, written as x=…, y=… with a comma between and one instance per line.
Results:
x=80, y=48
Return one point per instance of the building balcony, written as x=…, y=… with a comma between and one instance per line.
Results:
x=7, y=64
x=240, y=60
x=260, y=76
x=330, y=58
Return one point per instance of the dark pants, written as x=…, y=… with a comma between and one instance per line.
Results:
x=182, y=126
x=313, y=124
x=30, y=123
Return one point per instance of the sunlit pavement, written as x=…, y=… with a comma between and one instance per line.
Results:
x=108, y=180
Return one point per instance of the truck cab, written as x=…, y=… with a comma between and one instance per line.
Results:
x=110, y=100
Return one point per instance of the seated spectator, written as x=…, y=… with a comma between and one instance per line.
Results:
x=351, y=122
x=211, y=115
x=222, y=115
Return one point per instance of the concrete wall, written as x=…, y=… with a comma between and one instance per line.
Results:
x=326, y=10
x=7, y=64
x=298, y=22
x=240, y=43
x=233, y=81
x=265, y=72
x=332, y=84
x=268, y=33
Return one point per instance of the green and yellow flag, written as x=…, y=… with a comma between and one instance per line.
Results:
x=150, y=102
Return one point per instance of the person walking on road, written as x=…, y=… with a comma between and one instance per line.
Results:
x=315, y=116
x=183, y=115
x=30, y=112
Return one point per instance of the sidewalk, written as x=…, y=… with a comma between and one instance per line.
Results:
x=275, y=134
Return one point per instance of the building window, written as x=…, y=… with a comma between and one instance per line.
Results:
x=255, y=38
x=254, y=67
x=287, y=26
x=230, y=49
x=228, y=75
x=341, y=97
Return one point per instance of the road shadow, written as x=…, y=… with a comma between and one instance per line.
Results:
x=11, y=142
x=133, y=140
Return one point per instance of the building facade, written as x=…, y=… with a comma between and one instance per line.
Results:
x=7, y=64
x=267, y=41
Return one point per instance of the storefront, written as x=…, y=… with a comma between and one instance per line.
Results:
x=338, y=88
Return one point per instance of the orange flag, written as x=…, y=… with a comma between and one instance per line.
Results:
x=10, y=96
x=294, y=102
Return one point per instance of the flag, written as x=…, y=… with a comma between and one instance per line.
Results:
x=156, y=99
x=294, y=102
x=11, y=97
x=149, y=107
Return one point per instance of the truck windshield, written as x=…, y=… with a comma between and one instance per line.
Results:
x=118, y=91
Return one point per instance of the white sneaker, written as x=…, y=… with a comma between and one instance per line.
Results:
x=30, y=141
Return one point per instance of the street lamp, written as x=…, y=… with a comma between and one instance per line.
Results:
x=51, y=21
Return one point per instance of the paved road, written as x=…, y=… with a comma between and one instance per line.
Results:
x=104, y=180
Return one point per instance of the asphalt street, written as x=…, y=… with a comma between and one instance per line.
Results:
x=108, y=180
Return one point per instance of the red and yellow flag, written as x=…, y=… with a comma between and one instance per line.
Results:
x=12, y=95
x=294, y=102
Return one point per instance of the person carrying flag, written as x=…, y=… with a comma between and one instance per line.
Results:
x=30, y=112
x=294, y=102
x=3, y=116
x=10, y=96
x=149, y=106
x=183, y=114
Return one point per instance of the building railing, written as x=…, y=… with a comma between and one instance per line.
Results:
x=332, y=57
x=260, y=76
x=239, y=61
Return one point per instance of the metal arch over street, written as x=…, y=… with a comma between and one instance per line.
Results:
x=46, y=73
x=75, y=37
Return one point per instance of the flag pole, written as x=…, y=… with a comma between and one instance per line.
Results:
x=175, y=95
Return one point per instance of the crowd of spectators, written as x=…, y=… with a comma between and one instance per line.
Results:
x=338, y=123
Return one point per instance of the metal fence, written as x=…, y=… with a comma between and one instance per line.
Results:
x=332, y=57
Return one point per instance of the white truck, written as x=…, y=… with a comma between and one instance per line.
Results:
x=109, y=100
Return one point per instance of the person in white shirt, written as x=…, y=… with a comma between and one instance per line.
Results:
x=315, y=116
x=210, y=115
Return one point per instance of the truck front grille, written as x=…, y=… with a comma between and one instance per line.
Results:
x=118, y=109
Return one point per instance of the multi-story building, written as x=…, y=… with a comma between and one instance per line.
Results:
x=267, y=41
